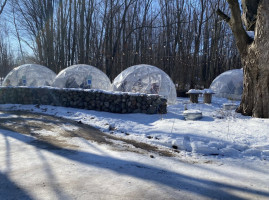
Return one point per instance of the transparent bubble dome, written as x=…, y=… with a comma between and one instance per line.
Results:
x=229, y=84
x=32, y=75
x=82, y=76
x=146, y=79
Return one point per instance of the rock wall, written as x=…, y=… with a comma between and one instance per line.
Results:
x=85, y=99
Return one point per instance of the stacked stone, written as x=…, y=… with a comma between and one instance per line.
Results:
x=85, y=99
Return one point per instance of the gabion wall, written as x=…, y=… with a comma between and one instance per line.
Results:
x=85, y=99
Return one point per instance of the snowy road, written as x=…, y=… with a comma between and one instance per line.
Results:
x=44, y=157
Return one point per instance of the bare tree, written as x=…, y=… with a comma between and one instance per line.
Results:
x=254, y=54
x=7, y=58
x=184, y=38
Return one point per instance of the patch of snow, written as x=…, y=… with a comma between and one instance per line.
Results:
x=251, y=34
x=193, y=91
x=208, y=91
x=192, y=112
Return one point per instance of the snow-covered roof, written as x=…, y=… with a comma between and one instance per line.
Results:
x=229, y=84
x=146, y=79
x=29, y=75
x=82, y=76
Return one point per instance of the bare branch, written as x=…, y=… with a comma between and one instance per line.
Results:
x=2, y=6
x=223, y=16
x=249, y=15
x=236, y=25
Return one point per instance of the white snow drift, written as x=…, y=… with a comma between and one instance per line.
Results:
x=229, y=84
x=30, y=75
x=146, y=79
x=82, y=76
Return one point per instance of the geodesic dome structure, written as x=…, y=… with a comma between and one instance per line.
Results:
x=82, y=76
x=29, y=75
x=146, y=79
x=229, y=84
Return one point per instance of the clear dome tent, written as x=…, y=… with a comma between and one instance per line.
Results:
x=146, y=79
x=82, y=76
x=29, y=75
x=229, y=84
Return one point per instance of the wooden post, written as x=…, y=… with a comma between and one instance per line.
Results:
x=207, y=97
x=194, y=98
x=194, y=94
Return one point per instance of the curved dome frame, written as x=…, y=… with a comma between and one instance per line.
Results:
x=146, y=79
x=229, y=84
x=82, y=76
x=32, y=75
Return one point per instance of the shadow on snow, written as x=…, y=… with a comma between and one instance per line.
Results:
x=203, y=187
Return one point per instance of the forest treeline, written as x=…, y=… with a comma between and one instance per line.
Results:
x=185, y=38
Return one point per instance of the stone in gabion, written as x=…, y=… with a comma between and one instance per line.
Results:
x=85, y=99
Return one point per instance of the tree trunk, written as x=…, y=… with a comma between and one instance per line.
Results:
x=255, y=59
x=256, y=69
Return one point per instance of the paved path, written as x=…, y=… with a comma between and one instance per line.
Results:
x=45, y=157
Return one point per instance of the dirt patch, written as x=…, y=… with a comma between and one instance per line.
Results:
x=31, y=124
x=149, y=148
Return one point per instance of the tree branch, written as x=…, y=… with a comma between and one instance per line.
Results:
x=2, y=7
x=249, y=16
x=223, y=16
x=236, y=25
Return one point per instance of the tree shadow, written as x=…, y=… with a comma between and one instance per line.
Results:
x=9, y=190
x=199, y=186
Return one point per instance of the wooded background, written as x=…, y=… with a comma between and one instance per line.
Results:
x=185, y=38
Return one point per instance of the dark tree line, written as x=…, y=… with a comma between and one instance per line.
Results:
x=185, y=38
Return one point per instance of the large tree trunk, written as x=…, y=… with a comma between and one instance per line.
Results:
x=255, y=59
x=255, y=99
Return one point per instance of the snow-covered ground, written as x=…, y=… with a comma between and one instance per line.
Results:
x=220, y=132
x=222, y=156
